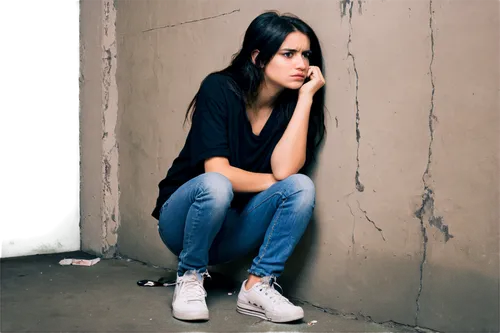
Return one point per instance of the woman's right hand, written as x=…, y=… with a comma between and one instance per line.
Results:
x=314, y=84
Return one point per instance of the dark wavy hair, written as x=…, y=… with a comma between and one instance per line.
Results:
x=266, y=33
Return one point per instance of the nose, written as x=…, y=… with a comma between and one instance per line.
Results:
x=301, y=62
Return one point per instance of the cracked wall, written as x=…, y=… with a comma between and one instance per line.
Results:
x=100, y=216
x=110, y=208
x=406, y=221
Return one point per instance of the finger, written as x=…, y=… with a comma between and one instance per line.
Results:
x=316, y=72
x=315, y=69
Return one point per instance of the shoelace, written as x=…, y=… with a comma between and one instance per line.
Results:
x=192, y=288
x=275, y=296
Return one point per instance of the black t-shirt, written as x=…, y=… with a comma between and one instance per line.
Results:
x=220, y=127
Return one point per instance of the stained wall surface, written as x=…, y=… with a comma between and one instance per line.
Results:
x=406, y=220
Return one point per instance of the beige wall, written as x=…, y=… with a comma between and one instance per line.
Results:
x=99, y=190
x=426, y=78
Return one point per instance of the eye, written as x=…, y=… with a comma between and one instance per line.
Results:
x=307, y=55
x=288, y=54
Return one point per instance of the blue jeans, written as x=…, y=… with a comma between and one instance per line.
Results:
x=198, y=225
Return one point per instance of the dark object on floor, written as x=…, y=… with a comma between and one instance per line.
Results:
x=216, y=281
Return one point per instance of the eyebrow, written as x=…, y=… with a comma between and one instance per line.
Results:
x=294, y=50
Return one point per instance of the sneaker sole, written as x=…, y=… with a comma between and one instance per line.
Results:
x=190, y=316
x=251, y=310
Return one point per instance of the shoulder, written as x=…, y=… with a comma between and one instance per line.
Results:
x=216, y=78
x=219, y=85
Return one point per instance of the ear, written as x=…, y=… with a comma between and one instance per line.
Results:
x=255, y=53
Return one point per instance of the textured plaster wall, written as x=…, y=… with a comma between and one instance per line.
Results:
x=99, y=217
x=406, y=223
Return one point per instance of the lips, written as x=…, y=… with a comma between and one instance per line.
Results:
x=299, y=76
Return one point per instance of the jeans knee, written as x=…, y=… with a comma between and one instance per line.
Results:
x=217, y=187
x=304, y=187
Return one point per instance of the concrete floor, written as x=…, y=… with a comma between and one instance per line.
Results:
x=37, y=294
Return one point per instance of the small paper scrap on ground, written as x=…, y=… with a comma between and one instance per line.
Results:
x=79, y=262
x=312, y=322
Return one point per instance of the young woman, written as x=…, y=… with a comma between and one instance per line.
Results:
x=236, y=185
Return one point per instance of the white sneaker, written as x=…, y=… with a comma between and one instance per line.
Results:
x=189, y=297
x=265, y=302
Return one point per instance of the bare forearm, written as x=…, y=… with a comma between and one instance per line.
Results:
x=242, y=180
x=245, y=181
x=289, y=155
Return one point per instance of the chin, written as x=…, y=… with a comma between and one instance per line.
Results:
x=294, y=85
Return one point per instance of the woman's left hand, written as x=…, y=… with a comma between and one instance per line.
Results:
x=316, y=81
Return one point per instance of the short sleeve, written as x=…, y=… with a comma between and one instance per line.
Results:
x=209, y=130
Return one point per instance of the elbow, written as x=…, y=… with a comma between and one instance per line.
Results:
x=217, y=164
x=284, y=171
x=280, y=176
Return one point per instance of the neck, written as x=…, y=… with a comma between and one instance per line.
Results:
x=267, y=95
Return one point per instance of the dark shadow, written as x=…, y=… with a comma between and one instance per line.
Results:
x=458, y=299
x=297, y=261
x=216, y=281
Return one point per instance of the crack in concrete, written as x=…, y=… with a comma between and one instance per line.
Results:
x=426, y=212
x=106, y=17
x=359, y=186
x=422, y=263
x=258, y=322
x=107, y=174
x=362, y=317
x=437, y=221
x=110, y=213
x=371, y=221
x=427, y=206
x=343, y=7
x=192, y=21
x=353, y=223
x=420, y=213
x=360, y=7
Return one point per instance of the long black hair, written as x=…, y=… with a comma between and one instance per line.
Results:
x=267, y=33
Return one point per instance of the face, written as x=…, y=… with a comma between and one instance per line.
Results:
x=288, y=67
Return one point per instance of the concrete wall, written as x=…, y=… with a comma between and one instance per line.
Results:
x=406, y=224
x=99, y=192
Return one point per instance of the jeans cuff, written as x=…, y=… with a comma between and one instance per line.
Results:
x=257, y=272
x=200, y=271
